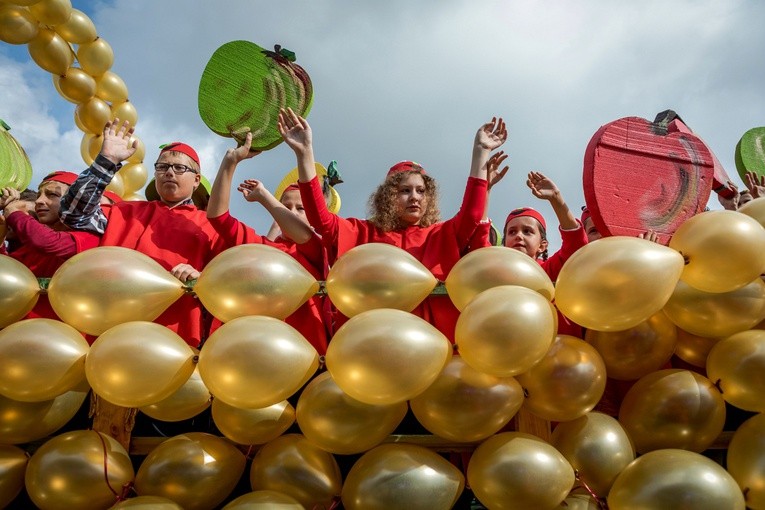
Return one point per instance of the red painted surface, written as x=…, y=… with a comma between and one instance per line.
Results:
x=639, y=177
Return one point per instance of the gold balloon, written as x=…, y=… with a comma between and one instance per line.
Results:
x=110, y=285
x=466, y=405
x=51, y=52
x=754, y=209
x=254, y=279
x=19, y=290
x=79, y=469
x=340, y=424
x=567, y=382
x=378, y=275
x=673, y=409
x=13, y=464
x=723, y=249
x=597, y=447
x=386, y=356
x=253, y=426
x=736, y=365
x=17, y=25
x=75, y=85
x=402, y=476
x=717, y=314
x=617, y=282
x=134, y=177
x=147, y=503
x=254, y=362
x=133, y=197
x=293, y=465
x=516, y=470
x=492, y=266
x=125, y=111
x=22, y=422
x=635, y=352
x=40, y=359
x=110, y=87
x=264, y=500
x=693, y=349
x=90, y=146
x=505, y=330
x=675, y=479
x=140, y=151
x=95, y=57
x=744, y=460
x=93, y=115
x=78, y=29
x=116, y=185
x=51, y=12
x=188, y=401
x=195, y=470
x=138, y=363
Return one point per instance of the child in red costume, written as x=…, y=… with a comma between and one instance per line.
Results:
x=404, y=212
x=297, y=238
x=44, y=243
x=172, y=230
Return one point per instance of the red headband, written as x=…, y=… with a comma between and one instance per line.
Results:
x=405, y=166
x=292, y=187
x=526, y=211
x=181, y=147
x=585, y=214
x=61, y=176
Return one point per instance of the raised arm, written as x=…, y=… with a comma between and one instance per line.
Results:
x=489, y=137
x=220, y=195
x=80, y=207
x=297, y=133
x=291, y=226
x=544, y=188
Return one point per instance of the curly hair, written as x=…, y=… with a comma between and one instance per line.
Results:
x=381, y=204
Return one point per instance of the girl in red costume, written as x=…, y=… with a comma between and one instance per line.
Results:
x=297, y=238
x=44, y=243
x=404, y=212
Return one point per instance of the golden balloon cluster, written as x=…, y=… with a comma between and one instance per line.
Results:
x=640, y=301
x=63, y=41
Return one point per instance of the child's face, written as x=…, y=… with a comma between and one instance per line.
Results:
x=49, y=201
x=411, y=200
x=591, y=230
x=292, y=201
x=522, y=233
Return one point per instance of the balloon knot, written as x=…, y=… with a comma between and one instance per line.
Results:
x=525, y=393
x=718, y=385
x=322, y=362
x=195, y=359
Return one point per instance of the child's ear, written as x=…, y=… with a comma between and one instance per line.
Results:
x=542, y=247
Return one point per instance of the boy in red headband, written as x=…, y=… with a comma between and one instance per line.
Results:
x=404, y=212
x=297, y=238
x=171, y=230
x=43, y=243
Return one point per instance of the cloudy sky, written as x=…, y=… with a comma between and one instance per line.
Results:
x=401, y=80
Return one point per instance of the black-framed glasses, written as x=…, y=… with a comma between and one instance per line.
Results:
x=178, y=169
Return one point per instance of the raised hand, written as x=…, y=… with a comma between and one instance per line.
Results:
x=253, y=191
x=117, y=145
x=241, y=152
x=7, y=196
x=650, y=235
x=492, y=134
x=730, y=204
x=542, y=187
x=295, y=131
x=756, y=184
x=185, y=272
x=493, y=173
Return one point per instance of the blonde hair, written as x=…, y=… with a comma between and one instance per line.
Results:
x=381, y=204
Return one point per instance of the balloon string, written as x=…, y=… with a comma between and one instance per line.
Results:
x=335, y=503
x=106, y=467
x=248, y=455
x=717, y=384
x=601, y=502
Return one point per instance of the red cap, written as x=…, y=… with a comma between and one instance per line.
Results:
x=292, y=187
x=112, y=196
x=61, y=176
x=585, y=214
x=405, y=166
x=181, y=147
x=526, y=211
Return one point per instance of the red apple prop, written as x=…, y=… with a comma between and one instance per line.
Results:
x=638, y=176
